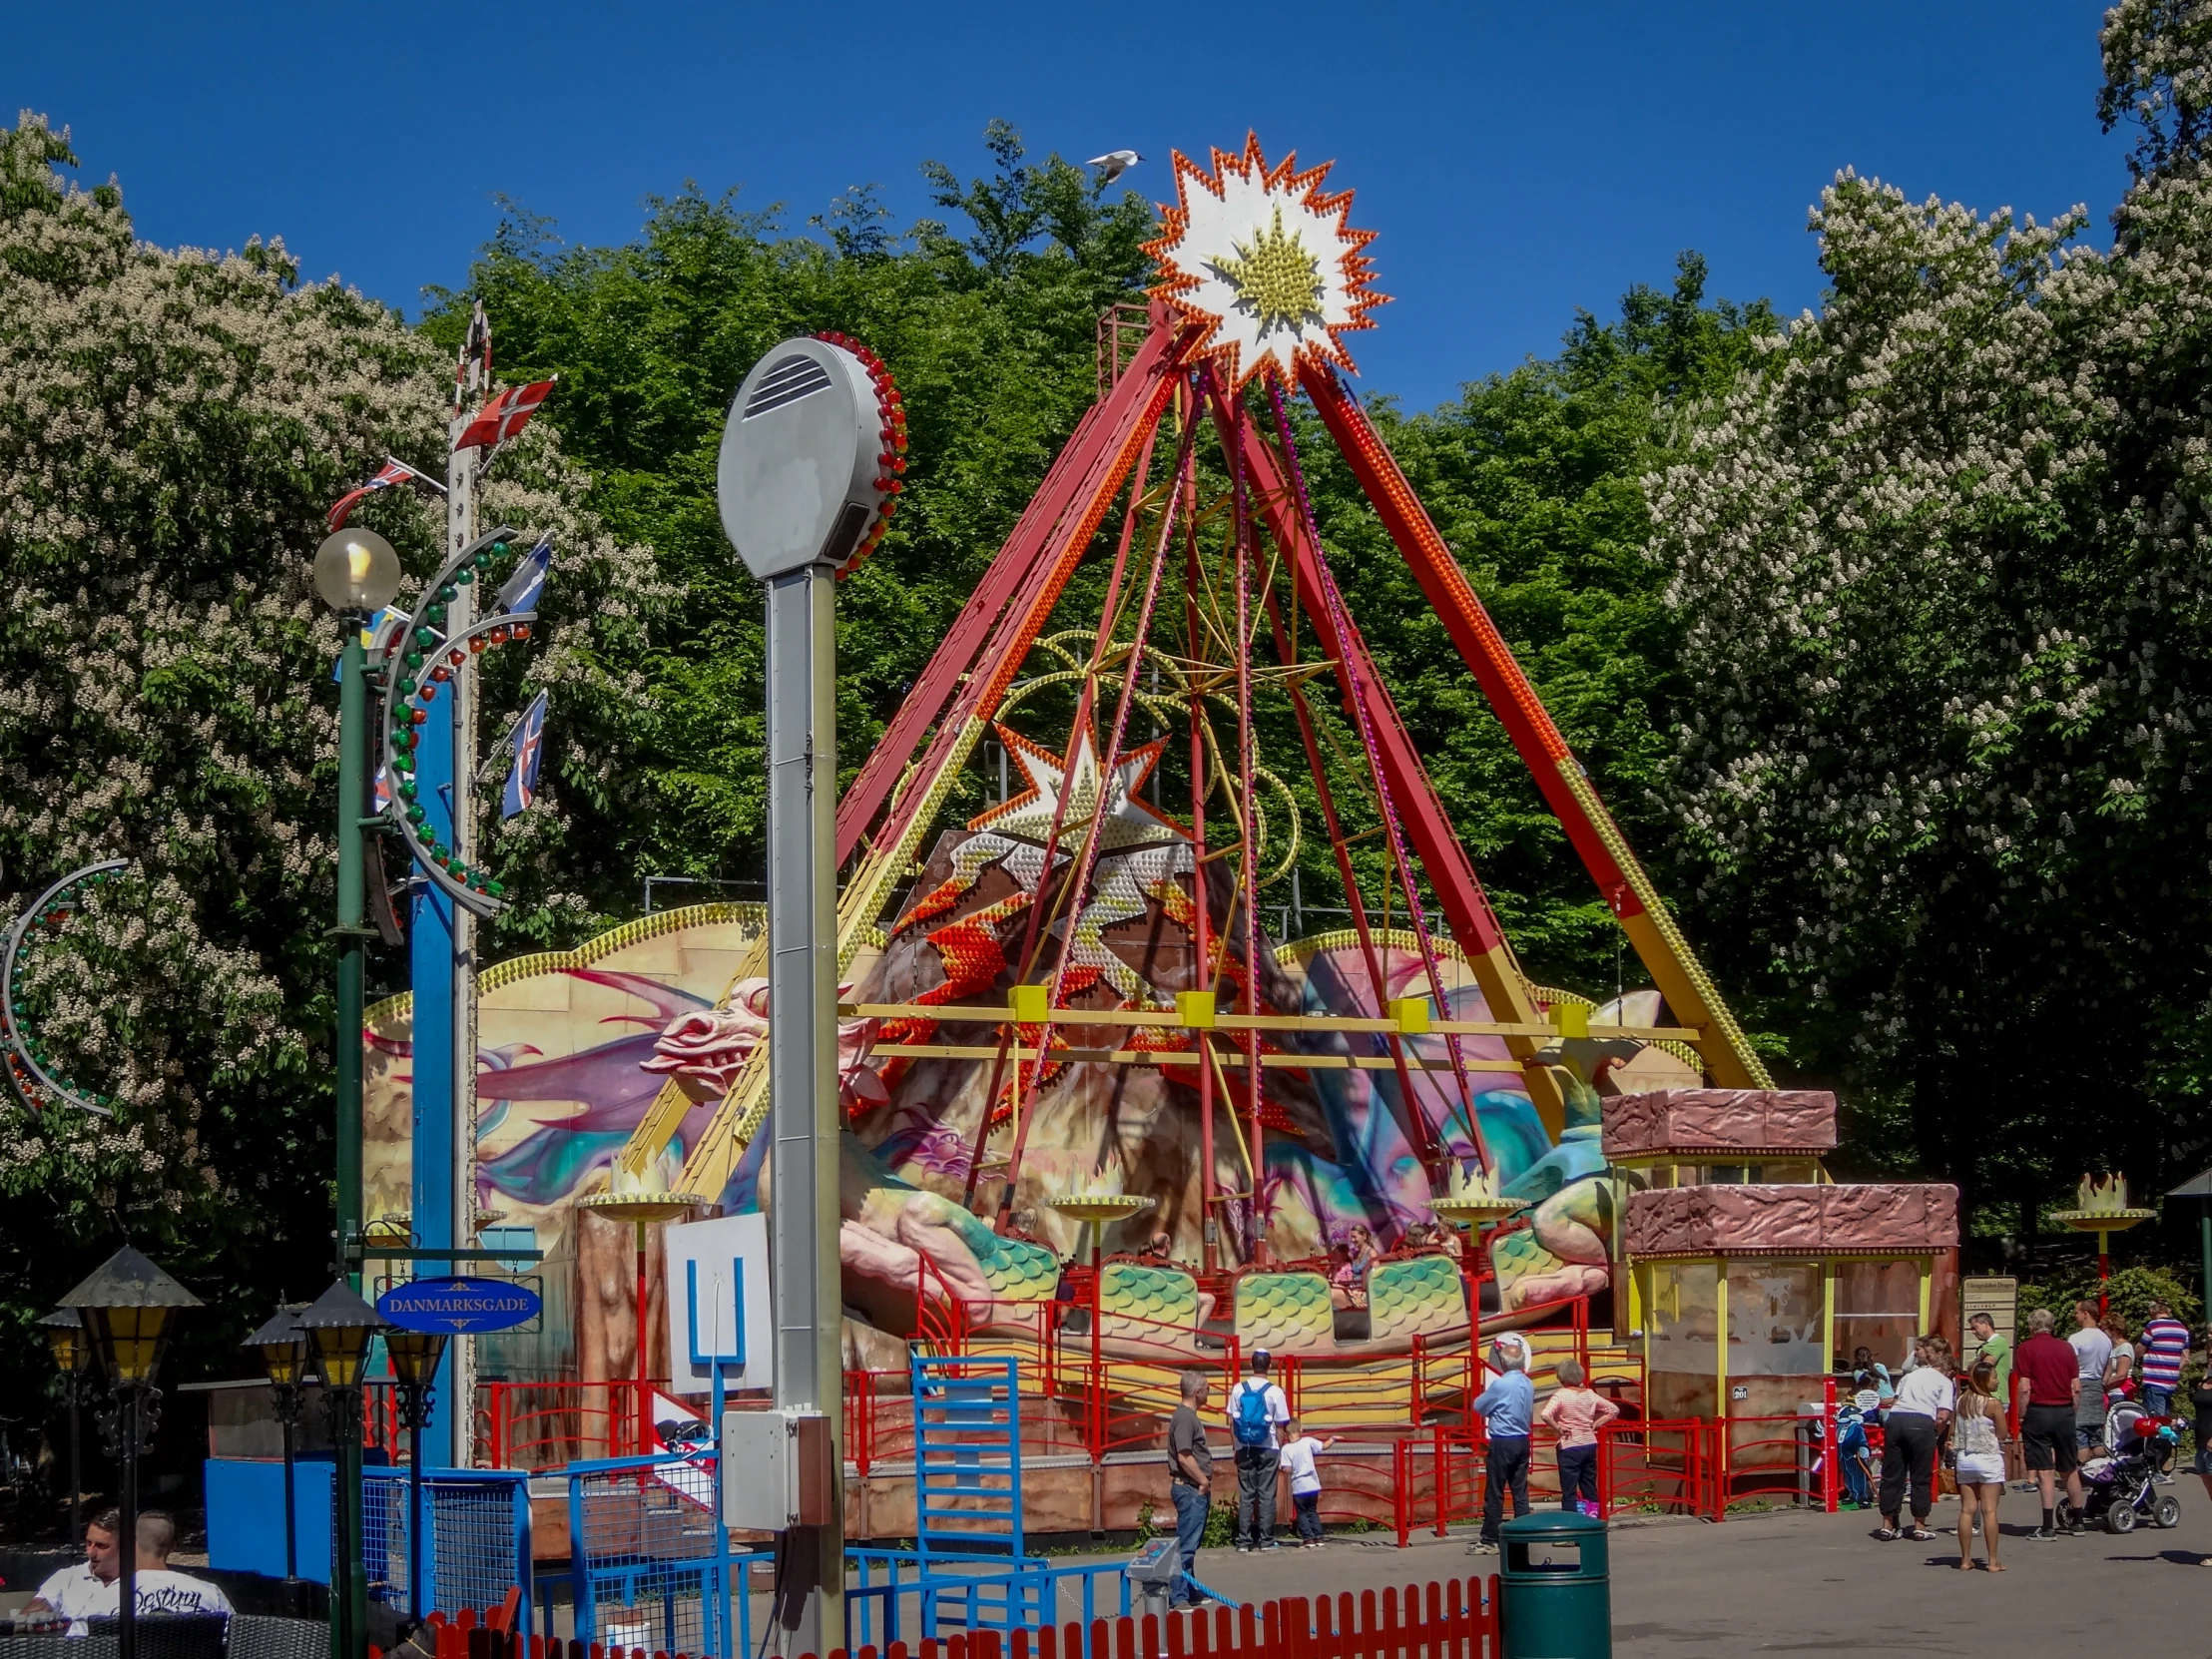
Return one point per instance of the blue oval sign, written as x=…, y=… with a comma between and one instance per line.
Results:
x=458, y=1307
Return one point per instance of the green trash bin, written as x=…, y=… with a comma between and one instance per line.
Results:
x=1554, y=1592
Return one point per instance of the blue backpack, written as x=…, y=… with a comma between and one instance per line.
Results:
x=1251, y=1424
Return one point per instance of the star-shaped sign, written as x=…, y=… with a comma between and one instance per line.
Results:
x=1262, y=259
x=1125, y=820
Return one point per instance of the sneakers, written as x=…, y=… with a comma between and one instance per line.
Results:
x=1920, y=1535
x=1480, y=1548
x=2042, y=1533
x=1243, y=1548
x=2163, y=1480
x=1271, y=1544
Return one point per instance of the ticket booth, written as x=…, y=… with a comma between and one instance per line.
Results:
x=1752, y=1273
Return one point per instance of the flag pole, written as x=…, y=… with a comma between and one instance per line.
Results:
x=464, y=478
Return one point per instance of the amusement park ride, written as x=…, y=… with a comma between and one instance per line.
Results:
x=1094, y=1116
x=1071, y=1058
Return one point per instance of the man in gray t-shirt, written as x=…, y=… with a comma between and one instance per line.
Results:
x=1190, y=1482
x=2092, y=1351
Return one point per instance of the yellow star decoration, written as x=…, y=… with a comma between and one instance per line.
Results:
x=1276, y=278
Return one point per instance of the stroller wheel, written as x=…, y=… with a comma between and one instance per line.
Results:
x=2168, y=1512
x=2120, y=1519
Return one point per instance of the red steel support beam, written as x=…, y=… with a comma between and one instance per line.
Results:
x=1590, y=828
x=1066, y=488
x=1467, y=906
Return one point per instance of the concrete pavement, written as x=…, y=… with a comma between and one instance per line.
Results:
x=1805, y=1583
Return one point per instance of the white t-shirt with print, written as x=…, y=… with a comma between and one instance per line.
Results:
x=77, y=1595
x=1298, y=1458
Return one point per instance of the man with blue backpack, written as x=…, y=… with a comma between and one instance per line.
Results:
x=1256, y=1408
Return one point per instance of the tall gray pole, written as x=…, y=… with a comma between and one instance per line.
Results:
x=806, y=470
x=802, y=1075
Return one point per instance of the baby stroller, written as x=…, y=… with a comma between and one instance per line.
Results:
x=2117, y=1486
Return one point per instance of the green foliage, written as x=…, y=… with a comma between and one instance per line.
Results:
x=1534, y=479
x=991, y=340
x=1221, y=1527
x=172, y=427
x=2129, y=1291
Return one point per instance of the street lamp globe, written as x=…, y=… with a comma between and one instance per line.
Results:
x=340, y=1325
x=283, y=1348
x=356, y=570
x=128, y=1307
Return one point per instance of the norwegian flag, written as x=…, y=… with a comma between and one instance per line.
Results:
x=504, y=416
x=529, y=748
x=390, y=473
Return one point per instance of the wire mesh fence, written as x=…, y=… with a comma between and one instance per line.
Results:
x=475, y=1543
x=651, y=1563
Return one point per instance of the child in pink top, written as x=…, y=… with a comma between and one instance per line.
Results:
x=1576, y=1413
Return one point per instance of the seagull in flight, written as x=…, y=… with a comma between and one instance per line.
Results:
x=1113, y=164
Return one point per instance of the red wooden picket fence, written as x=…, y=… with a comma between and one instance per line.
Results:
x=1454, y=1619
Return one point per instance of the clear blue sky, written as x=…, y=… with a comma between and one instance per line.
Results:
x=1519, y=161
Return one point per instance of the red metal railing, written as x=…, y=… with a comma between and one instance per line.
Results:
x=540, y=1425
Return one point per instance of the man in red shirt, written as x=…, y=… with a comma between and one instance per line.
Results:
x=2045, y=1373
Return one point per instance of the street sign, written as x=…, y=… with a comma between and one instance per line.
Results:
x=458, y=1307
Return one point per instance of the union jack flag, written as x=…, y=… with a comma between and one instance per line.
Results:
x=390, y=473
x=528, y=741
x=504, y=416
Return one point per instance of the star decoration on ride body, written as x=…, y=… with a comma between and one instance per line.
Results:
x=1264, y=260
x=1125, y=820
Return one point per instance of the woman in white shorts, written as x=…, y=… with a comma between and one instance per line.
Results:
x=1977, y=1442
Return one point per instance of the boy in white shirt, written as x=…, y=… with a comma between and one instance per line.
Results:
x=1299, y=1452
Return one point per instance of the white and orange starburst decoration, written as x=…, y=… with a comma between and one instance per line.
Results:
x=1264, y=259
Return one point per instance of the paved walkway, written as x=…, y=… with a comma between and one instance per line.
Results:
x=1804, y=1583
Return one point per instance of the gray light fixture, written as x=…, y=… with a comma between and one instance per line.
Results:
x=801, y=477
x=281, y=1346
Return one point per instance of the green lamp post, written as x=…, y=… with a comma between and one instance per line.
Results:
x=357, y=573
x=73, y=1358
x=414, y=1364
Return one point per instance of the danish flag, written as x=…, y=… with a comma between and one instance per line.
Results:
x=504, y=416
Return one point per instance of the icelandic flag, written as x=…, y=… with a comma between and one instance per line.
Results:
x=520, y=591
x=528, y=742
x=504, y=416
x=390, y=473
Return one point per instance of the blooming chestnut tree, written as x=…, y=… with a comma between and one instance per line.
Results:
x=173, y=427
x=1941, y=566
